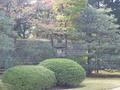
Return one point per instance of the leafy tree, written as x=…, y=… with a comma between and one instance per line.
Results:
x=97, y=31
x=6, y=32
x=22, y=26
x=113, y=4
x=7, y=39
x=21, y=12
x=66, y=11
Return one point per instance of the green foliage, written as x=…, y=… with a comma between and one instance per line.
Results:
x=6, y=42
x=6, y=39
x=98, y=31
x=66, y=11
x=4, y=86
x=82, y=60
x=79, y=59
x=95, y=28
x=67, y=7
x=29, y=78
x=94, y=22
x=5, y=23
x=33, y=51
x=112, y=4
x=68, y=72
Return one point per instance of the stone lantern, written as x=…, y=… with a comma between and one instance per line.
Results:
x=59, y=43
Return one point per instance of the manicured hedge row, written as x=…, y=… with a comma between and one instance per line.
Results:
x=68, y=72
x=29, y=78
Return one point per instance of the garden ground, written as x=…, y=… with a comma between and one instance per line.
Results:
x=97, y=84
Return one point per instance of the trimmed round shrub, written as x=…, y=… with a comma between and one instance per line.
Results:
x=29, y=78
x=68, y=73
x=4, y=86
x=83, y=60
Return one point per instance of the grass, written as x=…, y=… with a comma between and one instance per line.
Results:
x=101, y=83
x=97, y=84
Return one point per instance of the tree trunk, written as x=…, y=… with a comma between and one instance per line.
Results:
x=89, y=69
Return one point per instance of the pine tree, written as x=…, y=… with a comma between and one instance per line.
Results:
x=6, y=32
x=98, y=32
x=7, y=40
x=114, y=5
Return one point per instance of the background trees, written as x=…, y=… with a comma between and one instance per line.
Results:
x=7, y=39
x=66, y=11
x=112, y=4
x=90, y=24
x=6, y=33
x=97, y=31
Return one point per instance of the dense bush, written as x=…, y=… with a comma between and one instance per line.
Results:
x=32, y=51
x=82, y=60
x=68, y=72
x=29, y=78
x=4, y=86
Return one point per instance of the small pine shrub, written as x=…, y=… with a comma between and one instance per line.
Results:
x=68, y=73
x=29, y=78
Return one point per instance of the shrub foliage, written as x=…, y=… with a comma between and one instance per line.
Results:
x=68, y=73
x=4, y=86
x=29, y=78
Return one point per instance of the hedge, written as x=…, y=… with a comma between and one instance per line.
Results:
x=4, y=86
x=68, y=73
x=82, y=60
x=29, y=78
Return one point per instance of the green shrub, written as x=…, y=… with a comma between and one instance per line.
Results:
x=4, y=86
x=29, y=78
x=82, y=60
x=68, y=73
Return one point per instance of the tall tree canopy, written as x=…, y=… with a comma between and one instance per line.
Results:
x=67, y=10
x=6, y=33
x=97, y=31
x=113, y=4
